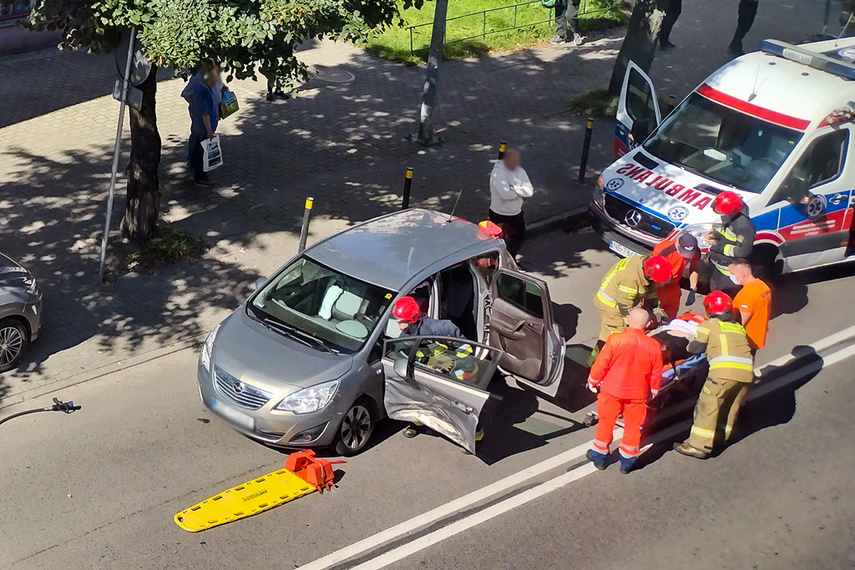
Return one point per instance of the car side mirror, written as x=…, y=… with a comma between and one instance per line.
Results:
x=402, y=368
x=795, y=190
x=260, y=282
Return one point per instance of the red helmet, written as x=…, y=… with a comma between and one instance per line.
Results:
x=657, y=269
x=406, y=309
x=717, y=302
x=727, y=203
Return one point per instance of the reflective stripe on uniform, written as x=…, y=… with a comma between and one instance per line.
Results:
x=620, y=265
x=606, y=299
x=600, y=446
x=727, y=363
x=631, y=292
x=722, y=339
x=729, y=250
x=703, y=432
x=629, y=451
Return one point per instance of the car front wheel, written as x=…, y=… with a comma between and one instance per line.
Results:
x=13, y=341
x=356, y=428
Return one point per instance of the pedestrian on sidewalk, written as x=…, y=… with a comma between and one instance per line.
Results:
x=673, y=9
x=731, y=373
x=752, y=304
x=274, y=89
x=625, y=376
x=567, y=19
x=509, y=186
x=747, y=12
x=204, y=115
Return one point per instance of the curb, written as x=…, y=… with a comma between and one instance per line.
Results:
x=574, y=217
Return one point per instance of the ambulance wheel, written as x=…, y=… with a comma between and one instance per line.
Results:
x=764, y=258
x=356, y=428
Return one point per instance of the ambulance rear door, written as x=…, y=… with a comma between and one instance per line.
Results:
x=815, y=201
x=638, y=110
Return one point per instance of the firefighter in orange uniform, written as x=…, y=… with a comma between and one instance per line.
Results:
x=679, y=253
x=625, y=376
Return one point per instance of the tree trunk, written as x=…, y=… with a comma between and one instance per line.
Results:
x=426, y=130
x=143, y=198
x=639, y=45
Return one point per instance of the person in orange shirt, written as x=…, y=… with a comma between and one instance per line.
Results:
x=754, y=303
x=679, y=253
x=625, y=376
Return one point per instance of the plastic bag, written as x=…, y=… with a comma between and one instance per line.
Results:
x=229, y=104
x=213, y=156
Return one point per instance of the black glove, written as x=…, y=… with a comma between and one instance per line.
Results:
x=690, y=298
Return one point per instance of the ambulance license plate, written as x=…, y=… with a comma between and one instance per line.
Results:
x=229, y=413
x=620, y=249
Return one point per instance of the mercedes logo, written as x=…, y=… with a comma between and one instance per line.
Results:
x=632, y=218
x=239, y=386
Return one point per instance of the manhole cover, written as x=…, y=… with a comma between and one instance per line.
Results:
x=334, y=75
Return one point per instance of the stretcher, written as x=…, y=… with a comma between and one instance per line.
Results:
x=678, y=378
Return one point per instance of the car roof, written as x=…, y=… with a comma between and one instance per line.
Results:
x=785, y=87
x=391, y=250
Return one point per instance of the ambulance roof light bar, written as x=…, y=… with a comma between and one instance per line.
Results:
x=812, y=59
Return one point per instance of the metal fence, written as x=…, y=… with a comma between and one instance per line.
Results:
x=584, y=9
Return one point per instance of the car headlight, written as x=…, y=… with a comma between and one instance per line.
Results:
x=308, y=400
x=207, y=347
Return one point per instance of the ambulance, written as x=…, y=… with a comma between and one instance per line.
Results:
x=775, y=126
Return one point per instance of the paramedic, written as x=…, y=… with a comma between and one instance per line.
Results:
x=629, y=283
x=753, y=303
x=733, y=239
x=731, y=374
x=679, y=253
x=409, y=317
x=625, y=376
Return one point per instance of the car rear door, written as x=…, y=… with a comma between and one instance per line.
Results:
x=523, y=327
x=637, y=112
x=440, y=382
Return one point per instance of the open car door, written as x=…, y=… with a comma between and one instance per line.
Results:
x=522, y=326
x=637, y=112
x=440, y=382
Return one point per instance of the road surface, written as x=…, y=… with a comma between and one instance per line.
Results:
x=98, y=489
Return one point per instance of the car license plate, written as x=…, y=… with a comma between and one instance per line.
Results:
x=229, y=413
x=620, y=249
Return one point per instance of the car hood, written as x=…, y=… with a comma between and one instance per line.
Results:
x=253, y=353
x=664, y=189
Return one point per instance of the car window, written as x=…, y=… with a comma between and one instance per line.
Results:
x=522, y=294
x=639, y=99
x=449, y=359
x=723, y=144
x=821, y=162
x=320, y=305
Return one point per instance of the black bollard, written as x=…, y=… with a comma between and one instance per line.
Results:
x=304, y=231
x=408, y=184
x=670, y=108
x=502, y=146
x=586, y=147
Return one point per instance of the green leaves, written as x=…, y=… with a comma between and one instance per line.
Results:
x=246, y=36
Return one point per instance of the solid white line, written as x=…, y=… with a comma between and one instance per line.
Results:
x=442, y=511
x=821, y=344
x=511, y=503
x=481, y=516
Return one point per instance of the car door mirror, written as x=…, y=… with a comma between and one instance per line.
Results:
x=402, y=368
x=259, y=283
x=795, y=189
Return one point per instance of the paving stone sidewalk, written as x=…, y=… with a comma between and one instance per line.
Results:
x=342, y=140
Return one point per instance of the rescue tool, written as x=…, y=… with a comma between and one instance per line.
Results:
x=303, y=474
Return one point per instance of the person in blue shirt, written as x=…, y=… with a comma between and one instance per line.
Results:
x=204, y=116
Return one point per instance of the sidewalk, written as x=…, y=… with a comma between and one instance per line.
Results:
x=342, y=140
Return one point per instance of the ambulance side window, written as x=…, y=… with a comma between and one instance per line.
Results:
x=640, y=106
x=821, y=162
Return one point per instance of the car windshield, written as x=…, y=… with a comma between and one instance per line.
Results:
x=723, y=144
x=319, y=306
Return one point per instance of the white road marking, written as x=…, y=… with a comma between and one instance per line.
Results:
x=819, y=345
x=529, y=495
x=442, y=511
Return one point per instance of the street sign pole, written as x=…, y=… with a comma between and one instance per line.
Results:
x=126, y=79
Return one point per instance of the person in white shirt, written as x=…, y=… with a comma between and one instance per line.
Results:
x=509, y=186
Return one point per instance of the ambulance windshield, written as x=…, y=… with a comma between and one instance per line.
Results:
x=722, y=144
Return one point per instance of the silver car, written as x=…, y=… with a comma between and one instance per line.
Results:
x=20, y=312
x=311, y=359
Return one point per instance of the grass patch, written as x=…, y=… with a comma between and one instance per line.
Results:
x=169, y=245
x=594, y=103
x=536, y=26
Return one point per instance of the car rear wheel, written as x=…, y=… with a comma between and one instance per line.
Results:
x=356, y=428
x=13, y=342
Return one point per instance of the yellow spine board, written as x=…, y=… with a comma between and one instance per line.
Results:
x=246, y=499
